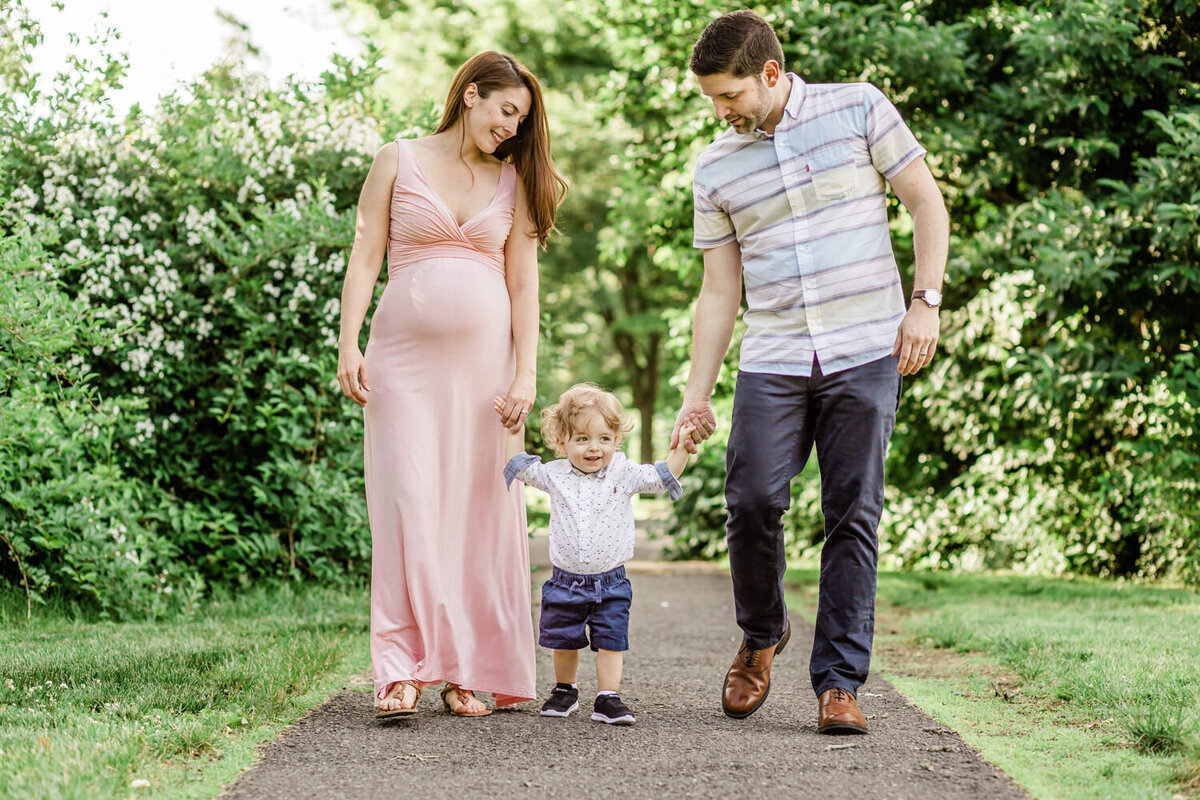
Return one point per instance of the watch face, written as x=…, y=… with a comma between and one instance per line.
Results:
x=933, y=297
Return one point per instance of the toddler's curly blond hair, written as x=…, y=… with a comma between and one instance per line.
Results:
x=566, y=417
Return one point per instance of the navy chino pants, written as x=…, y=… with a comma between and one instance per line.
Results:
x=777, y=419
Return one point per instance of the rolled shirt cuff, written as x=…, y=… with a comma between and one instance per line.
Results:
x=670, y=482
x=517, y=463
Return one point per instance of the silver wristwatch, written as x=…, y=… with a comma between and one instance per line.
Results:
x=932, y=297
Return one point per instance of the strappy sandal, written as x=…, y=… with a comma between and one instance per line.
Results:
x=399, y=712
x=462, y=693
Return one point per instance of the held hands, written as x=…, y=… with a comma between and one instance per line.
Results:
x=515, y=441
x=684, y=438
x=514, y=406
x=500, y=404
x=698, y=418
x=352, y=374
x=678, y=459
x=917, y=338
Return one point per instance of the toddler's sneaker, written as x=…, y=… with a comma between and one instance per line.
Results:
x=562, y=701
x=610, y=710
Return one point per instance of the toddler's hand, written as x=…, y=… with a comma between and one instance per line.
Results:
x=685, y=434
x=498, y=405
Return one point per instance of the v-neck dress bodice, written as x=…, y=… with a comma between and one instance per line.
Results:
x=422, y=225
x=450, y=597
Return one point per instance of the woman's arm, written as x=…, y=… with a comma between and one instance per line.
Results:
x=521, y=276
x=366, y=258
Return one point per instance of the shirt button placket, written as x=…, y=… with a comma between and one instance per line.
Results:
x=809, y=316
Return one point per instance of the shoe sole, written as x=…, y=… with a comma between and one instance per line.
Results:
x=839, y=728
x=782, y=643
x=549, y=712
x=617, y=721
x=399, y=712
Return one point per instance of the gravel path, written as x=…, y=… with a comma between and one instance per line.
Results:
x=683, y=637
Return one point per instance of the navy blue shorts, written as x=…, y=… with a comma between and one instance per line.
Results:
x=572, y=602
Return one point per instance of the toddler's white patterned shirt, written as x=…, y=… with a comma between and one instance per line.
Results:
x=591, y=516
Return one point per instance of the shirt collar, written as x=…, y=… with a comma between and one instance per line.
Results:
x=600, y=473
x=796, y=98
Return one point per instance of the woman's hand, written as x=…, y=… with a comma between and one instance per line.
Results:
x=515, y=406
x=352, y=374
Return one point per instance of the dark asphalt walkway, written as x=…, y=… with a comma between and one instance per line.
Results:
x=683, y=637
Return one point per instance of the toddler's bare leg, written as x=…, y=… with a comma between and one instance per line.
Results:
x=608, y=670
x=566, y=666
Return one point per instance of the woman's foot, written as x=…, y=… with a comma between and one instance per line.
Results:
x=462, y=702
x=399, y=700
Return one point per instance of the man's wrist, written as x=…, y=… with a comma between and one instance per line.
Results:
x=932, y=298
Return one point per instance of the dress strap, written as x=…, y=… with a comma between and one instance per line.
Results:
x=508, y=182
x=400, y=154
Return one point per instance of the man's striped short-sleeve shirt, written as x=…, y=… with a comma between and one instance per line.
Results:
x=808, y=209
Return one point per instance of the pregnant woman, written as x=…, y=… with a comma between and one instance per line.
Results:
x=461, y=214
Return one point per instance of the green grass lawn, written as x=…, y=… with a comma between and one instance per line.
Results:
x=1076, y=688
x=171, y=708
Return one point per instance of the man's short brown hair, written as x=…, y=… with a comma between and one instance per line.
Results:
x=737, y=44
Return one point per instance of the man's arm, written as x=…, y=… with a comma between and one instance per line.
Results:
x=712, y=329
x=918, y=334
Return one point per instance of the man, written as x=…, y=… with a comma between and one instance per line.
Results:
x=792, y=201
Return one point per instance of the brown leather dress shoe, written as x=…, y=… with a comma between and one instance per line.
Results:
x=749, y=679
x=837, y=712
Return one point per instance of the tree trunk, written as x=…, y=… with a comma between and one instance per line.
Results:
x=645, y=396
x=643, y=382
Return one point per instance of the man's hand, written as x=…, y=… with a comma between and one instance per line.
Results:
x=699, y=415
x=917, y=338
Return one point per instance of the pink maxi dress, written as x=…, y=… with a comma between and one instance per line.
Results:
x=450, y=581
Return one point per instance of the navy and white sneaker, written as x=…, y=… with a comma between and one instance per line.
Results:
x=610, y=710
x=562, y=701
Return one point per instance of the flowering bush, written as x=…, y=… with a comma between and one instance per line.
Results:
x=70, y=517
x=203, y=245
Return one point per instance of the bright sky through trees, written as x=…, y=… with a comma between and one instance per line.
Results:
x=171, y=42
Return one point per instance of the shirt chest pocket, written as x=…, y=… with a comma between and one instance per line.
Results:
x=834, y=174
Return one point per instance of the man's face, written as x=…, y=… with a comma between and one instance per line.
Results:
x=742, y=102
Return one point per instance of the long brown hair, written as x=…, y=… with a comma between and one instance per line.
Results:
x=529, y=150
